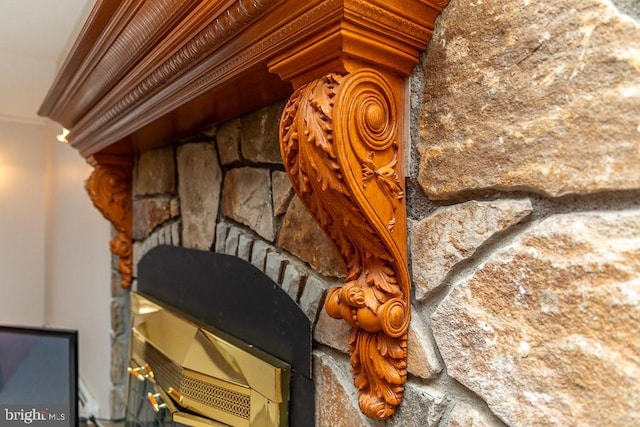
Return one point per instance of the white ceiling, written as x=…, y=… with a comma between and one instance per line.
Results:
x=34, y=38
x=39, y=28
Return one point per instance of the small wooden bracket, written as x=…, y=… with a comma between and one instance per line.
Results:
x=109, y=187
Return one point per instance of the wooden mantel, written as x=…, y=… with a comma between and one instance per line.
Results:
x=144, y=72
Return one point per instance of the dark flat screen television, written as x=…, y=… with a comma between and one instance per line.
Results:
x=38, y=376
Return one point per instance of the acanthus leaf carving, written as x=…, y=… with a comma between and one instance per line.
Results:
x=340, y=141
x=109, y=187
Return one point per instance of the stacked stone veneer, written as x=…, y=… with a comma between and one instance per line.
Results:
x=524, y=217
x=525, y=233
x=120, y=324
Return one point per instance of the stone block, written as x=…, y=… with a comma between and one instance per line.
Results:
x=155, y=173
x=422, y=360
x=222, y=229
x=421, y=406
x=245, y=243
x=274, y=266
x=543, y=99
x=139, y=249
x=148, y=214
x=200, y=179
x=282, y=192
x=228, y=141
x=301, y=236
x=165, y=232
x=259, y=254
x=231, y=243
x=120, y=314
x=453, y=233
x=629, y=7
x=174, y=207
x=136, y=254
x=336, y=396
x=312, y=297
x=294, y=274
x=332, y=332
x=119, y=360
x=209, y=132
x=246, y=198
x=161, y=236
x=175, y=233
x=546, y=329
x=259, y=137
x=116, y=280
x=117, y=401
x=152, y=241
x=465, y=415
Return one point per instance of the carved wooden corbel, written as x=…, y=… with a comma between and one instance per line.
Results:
x=341, y=139
x=342, y=145
x=109, y=187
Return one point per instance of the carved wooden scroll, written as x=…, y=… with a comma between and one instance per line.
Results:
x=109, y=187
x=341, y=141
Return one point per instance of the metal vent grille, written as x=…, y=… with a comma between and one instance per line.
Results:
x=226, y=400
x=165, y=371
x=168, y=373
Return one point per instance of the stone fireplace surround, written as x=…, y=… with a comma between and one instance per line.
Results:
x=516, y=249
x=215, y=191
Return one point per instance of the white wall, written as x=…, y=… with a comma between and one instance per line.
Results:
x=23, y=99
x=22, y=223
x=78, y=286
x=54, y=246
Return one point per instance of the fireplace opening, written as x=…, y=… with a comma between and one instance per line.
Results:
x=232, y=317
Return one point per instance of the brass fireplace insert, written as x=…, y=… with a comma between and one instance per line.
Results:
x=183, y=373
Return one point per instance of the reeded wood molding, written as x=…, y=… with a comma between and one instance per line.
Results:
x=134, y=28
x=109, y=187
x=140, y=69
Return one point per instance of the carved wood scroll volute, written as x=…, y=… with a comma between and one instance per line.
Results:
x=341, y=141
x=109, y=187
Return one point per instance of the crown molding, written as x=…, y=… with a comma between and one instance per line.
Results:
x=166, y=67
